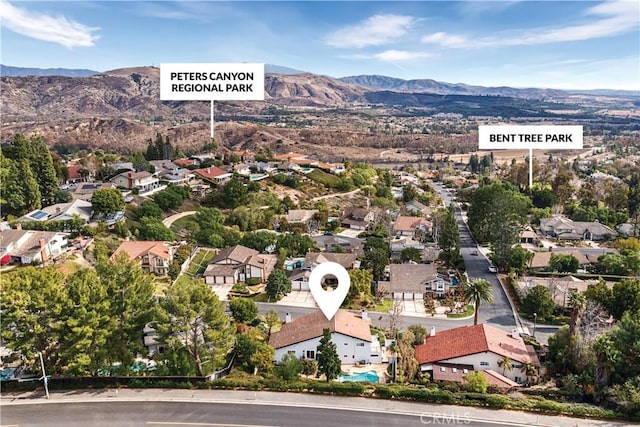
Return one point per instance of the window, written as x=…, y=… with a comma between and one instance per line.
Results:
x=291, y=352
x=516, y=366
x=484, y=363
x=360, y=344
x=346, y=343
x=518, y=379
x=310, y=354
x=374, y=355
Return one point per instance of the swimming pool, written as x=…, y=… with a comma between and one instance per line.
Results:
x=368, y=377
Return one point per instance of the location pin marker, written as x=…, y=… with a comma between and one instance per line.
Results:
x=329, y=302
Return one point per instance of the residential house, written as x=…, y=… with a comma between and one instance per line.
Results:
x=154, y=256
x=185, y=163
x=542, y=260
x=331, y=243
x=169, y=172
x=143, y=182
x=77, y=173
x=29, y=246
x=350, y=333
x=61, y=212
x=528, y=236
x=559, y=287
x=237, y=264
x=300, y=276
x=455, y=372
x=566, y=229
x=300, y=216
x=411, y=281
x=245, y=155
x=480, y=347
x=213, y=174
x=357, y=218
x=399, y=244
x=121, y=166
x=85, y=190
x=411, y=226
x=419, y=208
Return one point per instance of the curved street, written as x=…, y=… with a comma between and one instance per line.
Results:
x=164, y=407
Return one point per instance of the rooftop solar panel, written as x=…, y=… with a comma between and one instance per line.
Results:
x=38, y=215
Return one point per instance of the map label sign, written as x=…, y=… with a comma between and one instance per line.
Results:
x=211, y=82
x=509, y=137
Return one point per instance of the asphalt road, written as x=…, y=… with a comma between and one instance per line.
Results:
x=175, y=414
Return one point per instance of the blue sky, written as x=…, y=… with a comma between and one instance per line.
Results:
x=571, y=45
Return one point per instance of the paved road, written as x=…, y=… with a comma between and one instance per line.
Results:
x=162, y=407
x=168, y=221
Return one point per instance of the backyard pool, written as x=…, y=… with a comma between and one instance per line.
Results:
x=369, y=377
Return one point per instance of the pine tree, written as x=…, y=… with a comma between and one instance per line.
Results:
x=44, y=170
x=328, y=359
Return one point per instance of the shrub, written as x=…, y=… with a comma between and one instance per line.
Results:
x=309, y=367
x=251, y=281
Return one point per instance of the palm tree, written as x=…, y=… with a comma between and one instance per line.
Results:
x=476, y=292
x=577, y=302
x=530, y=369
x=505, y=364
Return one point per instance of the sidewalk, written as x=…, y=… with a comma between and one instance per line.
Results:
x=428, y=412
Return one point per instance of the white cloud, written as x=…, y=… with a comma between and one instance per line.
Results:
x=374, y=31
x=391, y=55
x=47, y=28
x=615, y=18
x=445, y=39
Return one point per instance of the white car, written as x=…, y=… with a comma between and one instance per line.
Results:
x=493, y=269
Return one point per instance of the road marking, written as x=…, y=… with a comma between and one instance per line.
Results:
x=179, y=423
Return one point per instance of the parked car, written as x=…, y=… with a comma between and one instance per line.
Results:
x=493, y=269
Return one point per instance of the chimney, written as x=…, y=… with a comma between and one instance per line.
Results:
x=43, y=249
x=19, y=226
x=364, y=315
x=433, y=331
x=515, y=333
x=287, y=318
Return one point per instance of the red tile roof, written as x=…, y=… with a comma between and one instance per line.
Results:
x=311, y=326
x=210, y=172
x=184, y=162
x=74, y=171
x=467, y=340
x=136, y=249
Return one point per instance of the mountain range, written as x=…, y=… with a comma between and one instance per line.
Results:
x=377, y=82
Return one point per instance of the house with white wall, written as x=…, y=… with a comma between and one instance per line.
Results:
x=478, y=347
x=350, y=332
x=28, y=246
x=238, y=263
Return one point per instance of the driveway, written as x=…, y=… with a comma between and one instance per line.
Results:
x=168, y=221
x=222, y=291
x=413, y=308
x=298, y=299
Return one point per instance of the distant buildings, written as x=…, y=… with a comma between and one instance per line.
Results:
x=565, y=229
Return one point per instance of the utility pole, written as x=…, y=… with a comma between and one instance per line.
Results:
x=44, y=376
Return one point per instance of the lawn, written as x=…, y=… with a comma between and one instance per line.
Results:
x=468, y=312
x=199, y=262
x=160, y=284
x=324, y=178
x=383, y=307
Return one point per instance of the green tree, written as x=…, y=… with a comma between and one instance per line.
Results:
x=289, y=368
x=445, y=230
x=210, y=227
x=234, y=193
x=309, y=367
x=63, y=196
x=44, y=170
x=497, y=214
x=327, y=355
x=278, y=285
x=132, y=304
x=538, y=300
x=625, y=297
x=262, y=358
x=259, y=240
x=376, y=256
x=476, y=292
x=148, y=209
x=564, y=263
x=154, y=229
x=107, y=200
x=295, y=244
x=475, y=382
x=519, y=259
x=193, y=317
x=360, y=284
x=599, y=293
x=171, y=198
x=33, y=302
x=409, y=193
x=271, y=320
x=411, y=254
x=243, y=310
x=87, y=324
x=419, y=332
x=21, y=190
x=577, y=302
x=407, y=363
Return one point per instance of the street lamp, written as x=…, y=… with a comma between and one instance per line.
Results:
x=44, y=376
x=535, y=318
